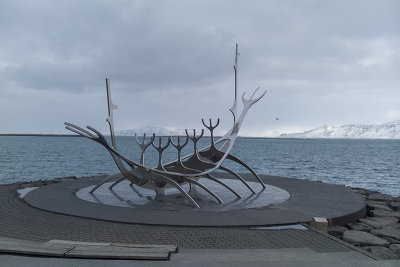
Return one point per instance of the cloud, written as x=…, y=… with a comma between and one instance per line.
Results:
x=170, y=62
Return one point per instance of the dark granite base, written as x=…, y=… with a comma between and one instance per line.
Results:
x=307, y=199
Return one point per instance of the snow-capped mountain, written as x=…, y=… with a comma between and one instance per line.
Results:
x=149, y=130
x=388, y=130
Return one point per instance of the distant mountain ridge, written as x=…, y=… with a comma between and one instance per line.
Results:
x=149, y=130
x=388, y=130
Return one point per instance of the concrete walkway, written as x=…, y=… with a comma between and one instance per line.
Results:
x=216, y=257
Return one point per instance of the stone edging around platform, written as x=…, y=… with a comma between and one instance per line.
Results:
x=86, y=250
x=308, y=199
x=379, y=232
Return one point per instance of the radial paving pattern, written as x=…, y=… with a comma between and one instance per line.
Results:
x=19, y=220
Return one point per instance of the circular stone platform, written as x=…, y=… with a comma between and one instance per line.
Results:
x=125, y=195
x=284, y=201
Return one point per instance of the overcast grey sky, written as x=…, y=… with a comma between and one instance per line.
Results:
x=170, y=63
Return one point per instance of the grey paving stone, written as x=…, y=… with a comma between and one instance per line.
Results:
x=363, y=239
x=19, y=220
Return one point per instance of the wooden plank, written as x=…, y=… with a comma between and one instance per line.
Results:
x=34, y=248
x=112, y=252
x=72, y=242
x=171, y=248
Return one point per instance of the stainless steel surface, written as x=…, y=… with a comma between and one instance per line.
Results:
x=110, y=118
x=186, y=169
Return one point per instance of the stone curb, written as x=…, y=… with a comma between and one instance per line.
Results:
x=86, y=250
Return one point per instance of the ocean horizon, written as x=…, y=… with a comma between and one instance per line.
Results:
x=367, y=163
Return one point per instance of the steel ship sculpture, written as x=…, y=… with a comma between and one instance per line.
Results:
x=201, y=163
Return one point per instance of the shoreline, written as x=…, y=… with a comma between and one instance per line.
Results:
x=239, y=137
x=379, y=232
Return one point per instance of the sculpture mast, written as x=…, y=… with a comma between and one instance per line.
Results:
x=111, y=108
x=233, y=109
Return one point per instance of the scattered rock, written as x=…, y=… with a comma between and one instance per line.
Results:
x=377, y=205
x=360, y=227
x=381, y=253
x=337, y=230
x=391, y=240
x=395, y=206
x=363, y=238
x=42, y=182
x=380, y=197
x=385, y=213
x=25, y=185
x=371, y=223
x=395, y=225
x=395, y=248
x=378, y=222
x=363, y=191
x=37, y=183
x=61, y=179
x=377, y=232
x=388, y=231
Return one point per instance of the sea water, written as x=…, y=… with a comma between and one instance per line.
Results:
x=371, y=164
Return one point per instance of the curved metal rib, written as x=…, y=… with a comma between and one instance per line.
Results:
x=237, y=160
x=212, y=178
x=87, y=134
x=101, y=183
x=116, y=182
x=135, y=190
x=177, y=186
x=204, y=188
x=239, y=177
x=115, y=155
